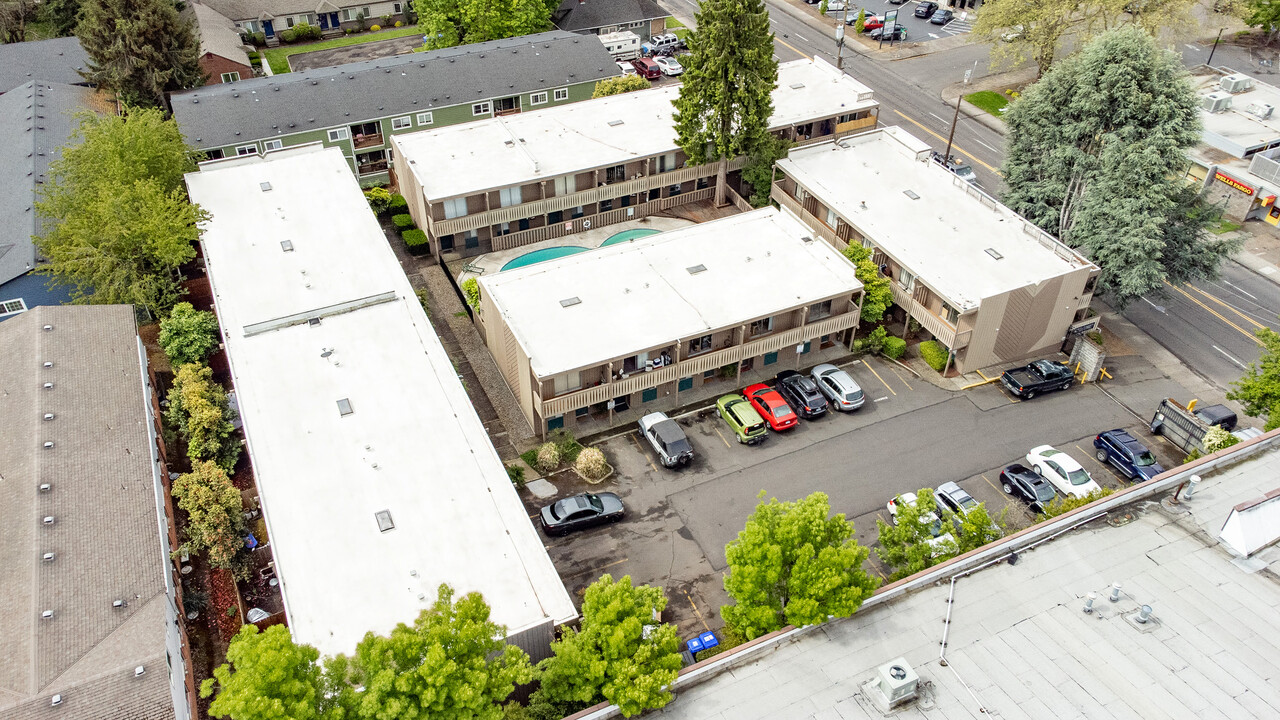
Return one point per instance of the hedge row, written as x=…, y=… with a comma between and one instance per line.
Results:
x=934, y=353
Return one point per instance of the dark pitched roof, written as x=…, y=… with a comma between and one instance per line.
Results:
x=577, y=15
x=105, y=531
x=227, y=114
x=241, y=10
x=35, y=122
x=56, y=60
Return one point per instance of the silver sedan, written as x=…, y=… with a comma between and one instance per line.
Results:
x=838, y=386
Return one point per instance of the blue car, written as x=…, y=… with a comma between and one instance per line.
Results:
x=1124, y=451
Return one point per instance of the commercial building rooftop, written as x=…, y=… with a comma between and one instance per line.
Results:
x=1248, y=123
x=80, y=524
x=957, y=239
x=378, y=481
x=682, y=283
x=463, y=159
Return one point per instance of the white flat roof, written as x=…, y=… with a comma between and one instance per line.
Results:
x=1235, y=130
x=943, y=235
x=640, y=294
x=412, y=445
x=518, y=149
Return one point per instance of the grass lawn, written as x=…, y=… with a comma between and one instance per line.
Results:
x=676, y=27
x=1223, y=226
x=989, y=100
x=278, y=57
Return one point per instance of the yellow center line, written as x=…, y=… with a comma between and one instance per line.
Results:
x=900, y=378
x=1228, y=306
x=873, y=372
x=954, y=147
x=695, y=610
x=997, y=487
x=793, y=48
x=1215, y=313
x=642, y=452
x=726, y=442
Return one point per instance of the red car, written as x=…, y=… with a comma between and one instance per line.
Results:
x=771, y=406
x=647, y=68
x=871, y=22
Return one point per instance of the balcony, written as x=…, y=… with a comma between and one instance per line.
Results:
x=367, y=141
x=944, y=331
x=793, y=205
x=369, y=168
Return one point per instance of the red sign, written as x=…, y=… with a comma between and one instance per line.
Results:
x=1219, y=176
x=1268, y=201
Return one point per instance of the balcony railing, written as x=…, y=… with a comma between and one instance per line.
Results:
x=694, y=365
x=372, y=167
x=366, y=141
x=944, y=331
x=798, y=210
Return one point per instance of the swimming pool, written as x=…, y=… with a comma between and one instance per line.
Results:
x=538, y=256
x=626, y=235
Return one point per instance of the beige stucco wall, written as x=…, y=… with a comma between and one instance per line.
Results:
x=1024, y=323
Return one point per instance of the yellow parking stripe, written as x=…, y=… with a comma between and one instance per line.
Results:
x=642, y=451
x=873, y=372
x=726, y=442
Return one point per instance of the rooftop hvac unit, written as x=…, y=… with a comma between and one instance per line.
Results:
x=1260, y=110
x=896, y=682
x=1236, y=83
x=1217, y=101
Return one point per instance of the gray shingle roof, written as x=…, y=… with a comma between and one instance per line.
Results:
x=241, y=10
x=56, y=60
x=218, y=35
x=105, y=530
x=35, y=122
x=220, y=115
x=579, y=15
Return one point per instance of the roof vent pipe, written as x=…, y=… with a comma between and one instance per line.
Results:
x=1144, y=614
x=1115, y=592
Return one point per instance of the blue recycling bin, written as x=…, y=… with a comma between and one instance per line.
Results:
x=708, y=640
x=695, y=646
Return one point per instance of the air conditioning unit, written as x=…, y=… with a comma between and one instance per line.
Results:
x=1260, y=110
x=1236, y=83
x=897, y=682
x=1216, y=101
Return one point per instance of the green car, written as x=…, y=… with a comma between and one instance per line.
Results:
x=743, y=418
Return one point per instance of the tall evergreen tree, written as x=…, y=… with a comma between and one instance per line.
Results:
x=1095, y=150
x=726, y=97
x=62, y=15
x=139, y=49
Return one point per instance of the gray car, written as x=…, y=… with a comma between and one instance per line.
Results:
x=954, y=498
x=838, y=387
x=581, y=511
x=667, y=438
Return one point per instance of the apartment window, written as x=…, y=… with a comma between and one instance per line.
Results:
x=906, y=280
x=700, y=345
x=606, y=205
x=538, y=98
x=425, y=118
x=483, y=108
x=760, y=327
x=953, y=315
x=509, y=196
x=273, y=144
x=667, y=163
x=396, y=7
x=401, y=123
x=820, y=310
x=470, y=240
x=230, y=77
x=562, y=94
x=247, y=150
x=831, y=218
x=215, y=154
x=289, y=21
x=336, y=135
x=577, y=212
x=456, y=207
x=346, y=15
x=12, y=307
x=502, y=228
x=567, y=382
x=566, y=185
x=365, y=11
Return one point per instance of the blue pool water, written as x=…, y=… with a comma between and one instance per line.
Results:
x=626, y=235
x=538, y=256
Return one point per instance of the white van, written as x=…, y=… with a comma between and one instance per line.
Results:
x=622, y=45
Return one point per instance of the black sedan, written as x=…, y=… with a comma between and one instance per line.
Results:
x=899, y=33
x=802, y=394
x=581, y=511
x=1027, y=485
x=926, y=9
x=942, y=17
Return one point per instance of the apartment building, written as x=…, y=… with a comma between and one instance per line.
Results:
x=358, y=106
x=985, y=282
x=511, y=181
x=656, y=323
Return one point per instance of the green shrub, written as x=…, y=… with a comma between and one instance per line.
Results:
x=934, y=353
x=566, y=444
x=288, y=36
x=1218, y=439
x=1096, y=337
x=471, y=290
x=398, y=202
x=416, y=241
x=894, y=347
x=873, y=342
x=729, y=639
x=530, y=457
x=1060, y=505
x=375, y=28
x=548, y=457
x=591, y=464
x=379, y=199
x=303, y=32
x=516, y=473
x=257, y=39
x=403, y=221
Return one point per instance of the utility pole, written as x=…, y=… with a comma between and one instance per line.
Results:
x=1214, y=49
x=844, y=22
x=946, y=157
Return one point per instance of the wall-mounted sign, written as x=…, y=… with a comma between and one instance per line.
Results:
x=1220, y=177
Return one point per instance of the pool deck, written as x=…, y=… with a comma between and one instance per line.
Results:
x=593, y=238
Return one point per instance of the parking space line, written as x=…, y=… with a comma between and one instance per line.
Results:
x=873, y=372
x=722, y=438
x=642, y=452
x=597, y=570
x=899, y=375
x=993, y=485
x=696, y=610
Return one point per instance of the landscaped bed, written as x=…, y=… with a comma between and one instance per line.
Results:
x=278, y=57
x=989, y=100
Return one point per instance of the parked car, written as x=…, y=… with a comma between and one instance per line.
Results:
x=896, y=2
x=942, y=16
x=669, y=66
x=954, y=498
x=926, y=9
x=899, y=32
x=1220, y=415
x=745, y=422
x=835, y=6
x=771, y=406
x=1038, y=377
x=1062, y=471
x=581, y=511
x=1025, y=484
x=957, y=166
x=1125, y=452
x=937, y=538
x=647, y=68
x=659, y=43
x=867, y=16
x=802, y=394
x=667, y=438
x=838, y=386
x=626, y=68
x=871, y=22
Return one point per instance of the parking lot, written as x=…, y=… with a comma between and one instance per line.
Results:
x=918, y=29
x=910, y=434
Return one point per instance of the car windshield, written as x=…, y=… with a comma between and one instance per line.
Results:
x=1044, y=492
x=1078, y=477
x=854, y=396
x=781, y=411
x=1144, y=459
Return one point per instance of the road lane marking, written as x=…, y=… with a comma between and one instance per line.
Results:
x=1228, y=306
x=985, y=145
x=803, y=37
x=940, y=119
x=726, y=442
x=1192, y=48
x=1239, y=289
x=696, y=610
x=1158, y=308
x=954, y=147
x=1237, y=362
x=886, y=385
x=997, y=487
x=1216, y=314
x=793, y=47
x=642, y=452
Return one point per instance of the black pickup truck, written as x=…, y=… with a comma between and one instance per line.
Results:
x=1038, y=377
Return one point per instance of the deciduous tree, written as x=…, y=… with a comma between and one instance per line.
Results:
x=905, y=546
x=973, y=529
x=139, y=49
x=1095, y=151
x=877, y=293
x=612, y=657
x=794, y=564
x=726, y=98
x=1258, y=390
x=198, y=407
x=267, y=677
x=213, y=508
x=758, y=174
x=619, y=85
x=188, y=335
x=446, y=23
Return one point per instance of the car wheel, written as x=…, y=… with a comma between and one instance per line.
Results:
x=615, y=518
x=1029, y=395
x=1065, y=385
x=1102, y=456
x=1008, y=489
x=1039, y=470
